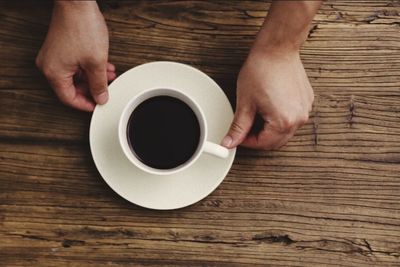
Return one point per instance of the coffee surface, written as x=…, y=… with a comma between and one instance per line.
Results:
x=163, y=132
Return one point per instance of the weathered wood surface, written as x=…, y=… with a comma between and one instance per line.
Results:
x=330, y=197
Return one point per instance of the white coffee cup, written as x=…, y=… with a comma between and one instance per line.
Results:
x=204, y=145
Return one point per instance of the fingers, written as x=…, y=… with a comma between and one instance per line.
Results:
x=111, y=76
x=97, y=80
x=267, y=139
x=70, y=95
x=65, y=89
x=80, y=75
x=110, y=67
x=274, y=135
x=81, y=99
x=240, y=127
x=285, y=140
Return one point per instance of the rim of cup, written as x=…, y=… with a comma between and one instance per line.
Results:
x=140, y=98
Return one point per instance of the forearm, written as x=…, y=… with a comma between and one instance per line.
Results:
x=76, y=7
x=76, y=4
x=69, y=15
x=287, y=24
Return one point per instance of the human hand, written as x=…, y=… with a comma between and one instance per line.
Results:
x=274, y=85
x=74, y=55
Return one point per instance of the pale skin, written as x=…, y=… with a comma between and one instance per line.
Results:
x=271, y=83
x=74, y=56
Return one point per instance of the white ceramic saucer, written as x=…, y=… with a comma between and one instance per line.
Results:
x=154, y=191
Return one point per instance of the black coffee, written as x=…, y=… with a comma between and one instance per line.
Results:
x=163, y=132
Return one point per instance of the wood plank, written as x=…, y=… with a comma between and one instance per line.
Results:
x=37, y=116
x=344, y=209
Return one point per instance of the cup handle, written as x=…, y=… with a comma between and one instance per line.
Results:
x=216, y=150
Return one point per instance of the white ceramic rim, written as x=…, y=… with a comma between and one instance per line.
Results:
x=149, y=93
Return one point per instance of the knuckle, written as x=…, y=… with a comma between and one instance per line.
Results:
x=287, y=123
x=236, y=127
x=99, y=61
x=47, y=71
x=64, y=98
x=95, y=61
x=303, y=119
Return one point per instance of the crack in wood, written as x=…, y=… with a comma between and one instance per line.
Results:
x=265, y=237
x=34, y=237
x=339, y=16
x=346, y=246
x=368, y=245
x=215, y=203
x=312, y=30
x=381, y=14
x=107, y=233
x=205, y=237
x=371, y=18
x=315, y=122
x=373, y=252
x=352, y=111
x=67, y=243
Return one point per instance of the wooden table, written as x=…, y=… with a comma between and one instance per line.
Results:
x=330, y=197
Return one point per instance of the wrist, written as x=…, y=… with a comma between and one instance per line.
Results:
x=281, y=36
x=270, y=54
x=277, y=42
x=75, y=5
x=287, y=25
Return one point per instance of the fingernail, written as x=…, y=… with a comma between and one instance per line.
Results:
x=102, y=98
x=227, y=141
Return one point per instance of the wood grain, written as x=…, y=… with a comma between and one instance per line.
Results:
x=331, y=197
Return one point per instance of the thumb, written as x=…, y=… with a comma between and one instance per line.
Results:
x=240, y=127
x=97, y=79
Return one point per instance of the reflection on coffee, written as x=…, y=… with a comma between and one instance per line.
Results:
x=163, y=132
